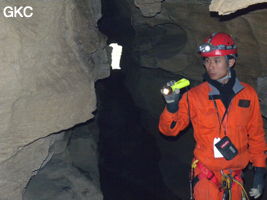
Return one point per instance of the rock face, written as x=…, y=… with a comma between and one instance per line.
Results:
x=49, y=64
x=225, y=7
x=262, y=88
x=72, y=171
x=149, y=8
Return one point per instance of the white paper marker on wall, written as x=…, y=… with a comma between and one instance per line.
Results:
x=115, y=55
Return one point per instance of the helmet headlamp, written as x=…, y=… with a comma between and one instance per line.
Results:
x=206, y=47
x=218, y=44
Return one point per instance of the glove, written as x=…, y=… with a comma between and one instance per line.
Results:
x=172, y=99
x=258, y=182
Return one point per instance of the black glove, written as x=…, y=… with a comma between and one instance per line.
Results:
x=172, y=99
x=258, y=182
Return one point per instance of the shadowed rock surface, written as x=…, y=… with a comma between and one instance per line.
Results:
x=72, y=172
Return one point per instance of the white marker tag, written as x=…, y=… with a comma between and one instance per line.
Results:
x=217, y=154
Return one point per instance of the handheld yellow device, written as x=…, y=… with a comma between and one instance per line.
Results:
x=177, y=85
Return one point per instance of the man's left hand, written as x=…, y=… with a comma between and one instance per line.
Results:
x=258, y=183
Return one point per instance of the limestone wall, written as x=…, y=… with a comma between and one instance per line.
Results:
x=49, y=63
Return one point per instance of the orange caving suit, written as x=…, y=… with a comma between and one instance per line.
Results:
x=242, y=123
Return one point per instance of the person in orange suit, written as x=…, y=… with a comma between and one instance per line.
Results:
x=227, y=122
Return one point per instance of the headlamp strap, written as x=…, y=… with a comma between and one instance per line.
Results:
x=226, y=47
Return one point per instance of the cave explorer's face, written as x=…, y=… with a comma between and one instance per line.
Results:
x=217, y=66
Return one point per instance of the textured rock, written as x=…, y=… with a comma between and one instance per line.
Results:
x=225, y=7
x=49, y=64
x=149, y=8
x=262, y=91
x=72, y=171
x=61, y=181
x=152, y=41
x=83, y=150
x=16, y=171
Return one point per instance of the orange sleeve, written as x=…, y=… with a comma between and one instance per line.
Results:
x=256, y=135
x=180, y=118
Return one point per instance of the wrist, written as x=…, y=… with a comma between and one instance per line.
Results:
x=172, y=107
x=260, y=170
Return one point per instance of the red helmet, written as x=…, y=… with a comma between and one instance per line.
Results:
x=218, y=44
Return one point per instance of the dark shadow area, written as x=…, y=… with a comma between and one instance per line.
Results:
x=129, y=156
x=114, y=24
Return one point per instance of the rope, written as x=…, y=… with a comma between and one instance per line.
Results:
x=227, y=181
x=243, y=189
x=228, y=185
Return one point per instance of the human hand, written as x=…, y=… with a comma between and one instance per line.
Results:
x=173, y=96
x=258, y=182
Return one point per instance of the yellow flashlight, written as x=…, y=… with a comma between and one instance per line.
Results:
x=166, y=90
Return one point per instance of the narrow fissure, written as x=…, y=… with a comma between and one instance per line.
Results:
x=128, y=154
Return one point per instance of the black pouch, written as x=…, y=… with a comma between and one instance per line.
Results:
x=226, y=148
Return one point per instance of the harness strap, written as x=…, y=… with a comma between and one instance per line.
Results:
x=229, y=177
x=208, y=174
x=205, y=172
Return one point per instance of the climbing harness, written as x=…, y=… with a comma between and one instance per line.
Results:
x=228, y=179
